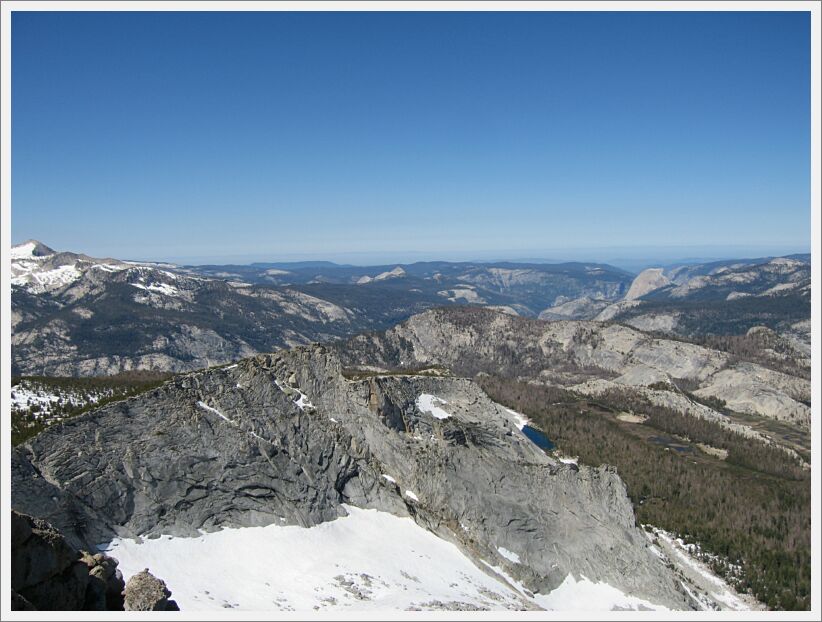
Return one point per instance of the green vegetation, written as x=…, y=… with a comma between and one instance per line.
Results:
x=76, y=396
x=751, y=347
x=744, y=452
x=752, y=509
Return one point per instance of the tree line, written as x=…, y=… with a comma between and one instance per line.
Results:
x=751, y=510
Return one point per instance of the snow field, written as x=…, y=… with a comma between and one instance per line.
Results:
x=368, y=560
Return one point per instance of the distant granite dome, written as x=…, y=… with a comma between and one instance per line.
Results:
x=646, y=282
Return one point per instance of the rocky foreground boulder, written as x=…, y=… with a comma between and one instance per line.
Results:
x=145, y=592
x=287, y=439
x=48, y=574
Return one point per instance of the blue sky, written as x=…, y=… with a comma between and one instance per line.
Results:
x=410, y=135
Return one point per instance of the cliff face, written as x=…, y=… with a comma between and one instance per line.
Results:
x=286, y=438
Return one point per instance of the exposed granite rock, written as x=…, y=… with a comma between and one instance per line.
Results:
x=747, y=387
x=646, y=281
x=286, y=438
x=470, y=340
x=145, y=592
x=584, y=308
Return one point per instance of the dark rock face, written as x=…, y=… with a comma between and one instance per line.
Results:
x=286, y=438
x=145, y=592
x=105, y=583
x=49, y=574
x=19, y=603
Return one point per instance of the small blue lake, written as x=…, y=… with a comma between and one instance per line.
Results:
x=537, y=437
x=670, y=443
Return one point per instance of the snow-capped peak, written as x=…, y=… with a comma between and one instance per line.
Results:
x=40, y=269
x=30, y=249
x=33, y=265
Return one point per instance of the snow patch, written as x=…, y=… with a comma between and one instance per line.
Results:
x=48, y=400
x=213, y=410
x=23, y=397
x=160, y=288
x=586, y=595
x=303, y=402
x=410, y=494
x=582, y=595
x=519, y=587
x=108, y=267
x=389, y=478
x=718, y=588
x=509, y=555
x=427, y=403
x=22, y=251
x=520, y=420
x=46, y=280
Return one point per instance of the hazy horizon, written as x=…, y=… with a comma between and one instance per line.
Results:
x=628, y=258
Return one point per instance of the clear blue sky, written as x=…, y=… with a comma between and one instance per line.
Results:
x=209, y=135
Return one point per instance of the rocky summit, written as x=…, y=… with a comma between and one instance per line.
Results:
x=288, y=439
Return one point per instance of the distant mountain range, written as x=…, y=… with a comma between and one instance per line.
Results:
x=77, y=315
x=725, y=298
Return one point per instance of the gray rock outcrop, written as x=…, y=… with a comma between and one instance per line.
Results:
x=286, y=438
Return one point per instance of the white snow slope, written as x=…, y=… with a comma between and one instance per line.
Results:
x=369, y=560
